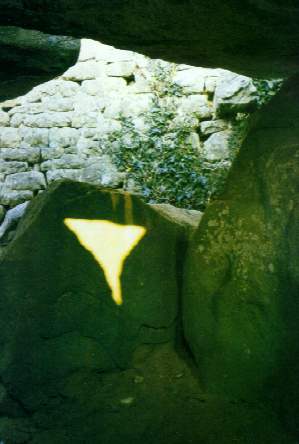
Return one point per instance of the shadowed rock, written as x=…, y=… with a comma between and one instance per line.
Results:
x=75, y=367
x=59, y=300
x=241, y=311
x=28, y=58
x=259, y=39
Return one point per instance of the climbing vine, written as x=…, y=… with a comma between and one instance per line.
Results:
x=160, y=161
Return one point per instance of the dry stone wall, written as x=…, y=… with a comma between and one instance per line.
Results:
x=60, y=129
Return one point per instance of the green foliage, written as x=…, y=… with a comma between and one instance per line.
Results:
x=267, y=89
x=159, y=160
x=162, y=163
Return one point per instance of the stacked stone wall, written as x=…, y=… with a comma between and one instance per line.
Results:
x=57, y=130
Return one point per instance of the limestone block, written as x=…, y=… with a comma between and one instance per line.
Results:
x=88, y=147
x=106, y=126
x=63, y=137
x=31, y=155
x=127, y=107
x=141, y=104
x=54, y=175
x=197, y=105
x=31, y=180
x=34, y=137
x=88, y=119
x=85, y=71
x=12, y=167
x=58, y=103
x=99, y=87
x=28, y=108
x=48, y=153
x=11, y=103
x=9, y=137
x=216, y=147
x=89, y=49
x=141, y=85
x=189, y=121
x=4, y=118
x=211, y=83
x=235, y=93
x=17, y=120
x=67, y=161
x=121, y=69
x=189, y=219
x=84, y=102
x=192, y=80
x=12, y=198
x=49, y=120
x=88, y=133
x=65, y=88
x=34, y=96
x=106, y=53
x=194, y=140
x=114, y=109
x=213, y=126
x=102, y=172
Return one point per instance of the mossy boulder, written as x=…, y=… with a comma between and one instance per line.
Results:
x=58, y=315
x=241, y=307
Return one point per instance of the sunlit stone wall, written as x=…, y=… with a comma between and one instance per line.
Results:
x=58, y=129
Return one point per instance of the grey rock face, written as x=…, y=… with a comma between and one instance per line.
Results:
x=11, y=167
x=9, y=138
x=217, y=146
x=31, y=180
x=241, y=277
x=54, y=175
x=12, y=217
x=12, y=197
x=102, y=172
x=235, y=94
x=189, y=219
x=66, y=161
x=213, y=126
x=31, y=155
x=4, y=119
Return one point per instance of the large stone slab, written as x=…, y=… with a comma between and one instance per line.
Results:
x=241, y=310
x=58, y=299
x=261, y=38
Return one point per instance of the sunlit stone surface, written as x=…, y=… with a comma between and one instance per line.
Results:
x=110, y=244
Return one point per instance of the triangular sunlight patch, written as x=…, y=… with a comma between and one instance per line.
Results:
x=110, y=244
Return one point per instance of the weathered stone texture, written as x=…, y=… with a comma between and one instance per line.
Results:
x=235, y=93
x=31, y=180
x=62, y=124
x=241, y=312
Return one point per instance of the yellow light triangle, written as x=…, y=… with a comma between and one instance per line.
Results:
x=110, y=244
